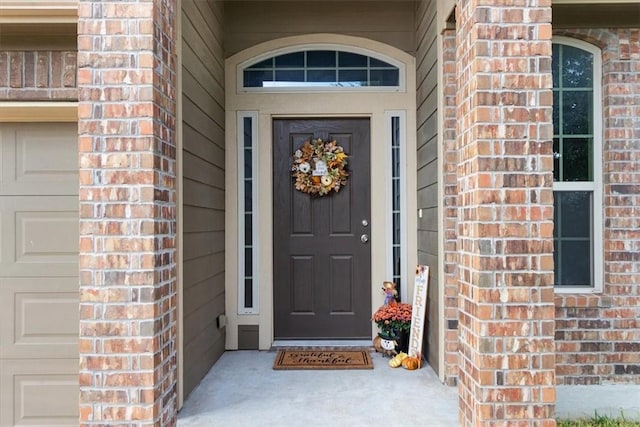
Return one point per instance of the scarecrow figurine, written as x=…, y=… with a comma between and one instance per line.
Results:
x=390, y=292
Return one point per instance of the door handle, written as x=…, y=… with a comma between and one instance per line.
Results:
x=364, y=238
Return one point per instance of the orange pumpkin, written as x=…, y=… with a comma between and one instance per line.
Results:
x=411, y=363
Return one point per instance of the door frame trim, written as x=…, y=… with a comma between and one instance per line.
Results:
x=373, y=105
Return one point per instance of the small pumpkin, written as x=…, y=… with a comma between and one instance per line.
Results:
x=396, y=361
x=411, y=363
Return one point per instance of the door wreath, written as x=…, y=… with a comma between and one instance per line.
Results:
x=319, y=167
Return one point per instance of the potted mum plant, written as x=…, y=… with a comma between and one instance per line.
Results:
x=394, y=321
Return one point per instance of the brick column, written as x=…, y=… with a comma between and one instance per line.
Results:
x=505, y=223
x=126, y=85
x=450, y=200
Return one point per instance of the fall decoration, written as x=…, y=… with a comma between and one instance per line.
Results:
x=396, y=361
x=395, y=316
x=385, y=345
x=411, y=363
x=319, y=167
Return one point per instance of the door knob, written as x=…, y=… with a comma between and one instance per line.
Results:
x=364, y=238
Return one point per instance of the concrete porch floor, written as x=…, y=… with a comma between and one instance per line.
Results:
x=242, y=389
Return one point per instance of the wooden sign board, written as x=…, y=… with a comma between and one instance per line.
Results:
x=418, y=311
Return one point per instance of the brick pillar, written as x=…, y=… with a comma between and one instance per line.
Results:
x=126, y=85
x=505, y=223
x=450, y=200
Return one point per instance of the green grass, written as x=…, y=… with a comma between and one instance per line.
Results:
x=599, y=421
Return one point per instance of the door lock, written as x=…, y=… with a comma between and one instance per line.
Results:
x=364, y=238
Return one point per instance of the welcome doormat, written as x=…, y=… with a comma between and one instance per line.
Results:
x=323, y=359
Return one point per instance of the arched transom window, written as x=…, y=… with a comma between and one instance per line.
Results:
x=320, y=69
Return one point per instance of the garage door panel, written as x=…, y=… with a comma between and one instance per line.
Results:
x=36, y=160
x=39, y=293
x=39, y=236
x=34, y=393
x=40, y=317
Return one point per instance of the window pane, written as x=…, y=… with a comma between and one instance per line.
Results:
x=247, y=195
x=396, y=195
x=577, y=67
x=321, y=58
x=572, y=237
x=348, y=59
x=248, y=262
x=556, y=159
x=376, y=63
x=396, y=228
x=267, y=63
x=576, y=112
x=396, y=261
x=576, y=159
x=248, y=139
x=256, y=78
x=555, y=63
x=395, y=162
x=352, y=77
x=574, y=264
x=290, y=76
x=327, y=76
x=556, y=112
x=384, y=77
x=572, y=213
x=248, y=293
x=247, y=163
x=248, y=231
x=290, y=60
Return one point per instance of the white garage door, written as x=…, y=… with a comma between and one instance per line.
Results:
x=38, y=274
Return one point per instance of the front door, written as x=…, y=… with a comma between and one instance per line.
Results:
x=322, y=259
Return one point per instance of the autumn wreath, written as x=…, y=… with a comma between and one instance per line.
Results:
x=319, y=167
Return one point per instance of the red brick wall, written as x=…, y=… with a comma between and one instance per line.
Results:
x=38, y=76
x=450, y=200
x=127, y=81
x=598, y=336
x=505, y=216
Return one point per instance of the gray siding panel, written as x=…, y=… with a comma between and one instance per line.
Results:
x=248, y=23
x=203, y=187
x=428, y=165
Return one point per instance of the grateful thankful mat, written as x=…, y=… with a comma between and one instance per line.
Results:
x=323, y=359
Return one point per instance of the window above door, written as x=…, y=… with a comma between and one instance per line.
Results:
x=319, y=69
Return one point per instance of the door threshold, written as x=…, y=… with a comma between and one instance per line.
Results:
x=279, y=344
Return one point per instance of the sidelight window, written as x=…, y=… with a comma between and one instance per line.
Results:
x=247, y=208
x=577, y=152
x=397, y=193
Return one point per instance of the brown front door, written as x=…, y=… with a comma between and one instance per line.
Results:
x=322, y=269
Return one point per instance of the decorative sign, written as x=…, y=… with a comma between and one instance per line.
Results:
x=418, y=311
x=320, y=169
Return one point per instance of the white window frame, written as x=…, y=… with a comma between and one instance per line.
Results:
x=402, y=79
x=253, y=115
x=595, y=186
x=404, y=276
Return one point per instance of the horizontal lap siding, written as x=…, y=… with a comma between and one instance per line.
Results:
x=427, y=155
x=203, y=187
x=248, y=23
